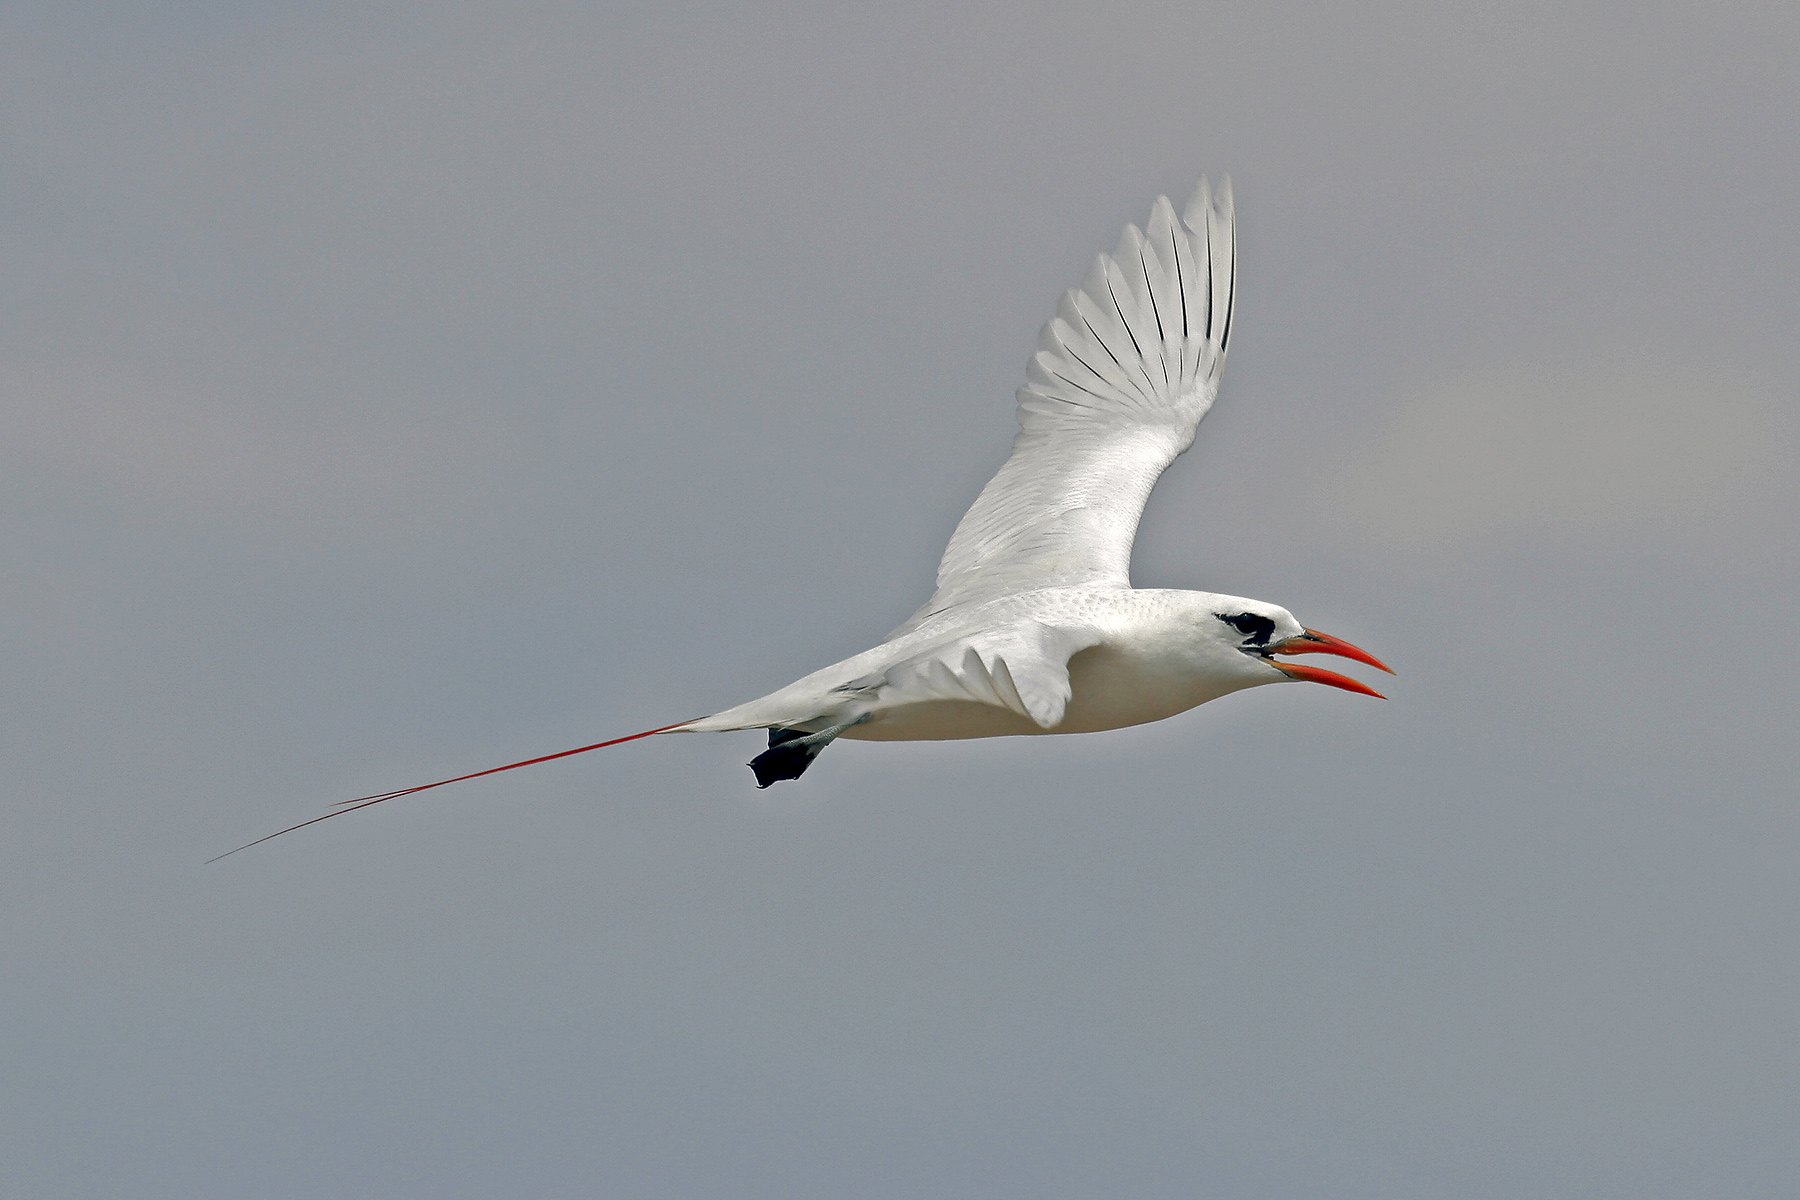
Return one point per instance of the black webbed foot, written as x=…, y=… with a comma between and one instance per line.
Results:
x=790, y=752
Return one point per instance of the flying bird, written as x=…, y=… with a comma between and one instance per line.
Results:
x=1034, y=627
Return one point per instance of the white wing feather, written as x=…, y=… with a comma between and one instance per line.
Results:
x=1123, y=374
x=1021, y=667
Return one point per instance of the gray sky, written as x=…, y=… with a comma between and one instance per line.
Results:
x=398, y=393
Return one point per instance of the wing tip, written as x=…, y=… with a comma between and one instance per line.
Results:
x=1209, y=206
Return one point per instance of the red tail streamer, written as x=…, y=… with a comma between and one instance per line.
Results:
x=366, y=801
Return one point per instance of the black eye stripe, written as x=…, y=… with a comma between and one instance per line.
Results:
x=1256, y=629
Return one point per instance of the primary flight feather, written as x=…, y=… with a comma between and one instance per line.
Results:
x=1034, y=627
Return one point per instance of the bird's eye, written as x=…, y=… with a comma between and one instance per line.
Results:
x=1256, y=629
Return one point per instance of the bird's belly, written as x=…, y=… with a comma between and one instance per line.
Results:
x=942, y=721
x=1111, y=689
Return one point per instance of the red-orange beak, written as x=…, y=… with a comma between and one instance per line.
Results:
x=1314, y=642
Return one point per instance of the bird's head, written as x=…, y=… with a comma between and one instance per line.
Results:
x=1261, y=631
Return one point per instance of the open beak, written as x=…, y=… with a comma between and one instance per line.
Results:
x=1314, y=642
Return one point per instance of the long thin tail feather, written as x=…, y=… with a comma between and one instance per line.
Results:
x=350, y=806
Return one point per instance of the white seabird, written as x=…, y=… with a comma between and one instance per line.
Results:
x=1034, y=627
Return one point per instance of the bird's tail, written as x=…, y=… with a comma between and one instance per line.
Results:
x=347, y=806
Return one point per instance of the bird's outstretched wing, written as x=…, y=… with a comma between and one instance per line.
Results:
x=1122, y=376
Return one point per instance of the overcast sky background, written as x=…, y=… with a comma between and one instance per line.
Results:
x=395, y=392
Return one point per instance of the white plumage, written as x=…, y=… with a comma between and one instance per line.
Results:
x=1123, y=374
x=1034, y=626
